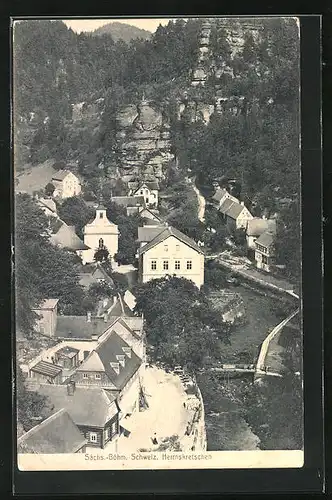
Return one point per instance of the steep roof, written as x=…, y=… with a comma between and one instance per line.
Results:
x=170, y=231
x=61, y=174
x=79, y=327
x=128, y=201
x=57, y=434
x=219, y=194
x=89, y=406
x=147, y=233
x=152, y=185
x=68, y=239
x=266, y=239
x=108, y=350
x=231, y=208
x=121, y=308
x=258, y=226
x=92, y=273
x=47, y=369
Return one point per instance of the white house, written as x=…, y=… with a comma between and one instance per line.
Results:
x=66, y=184
x=221, y=195
x=264, y=251
x=166, y=251
x=148, y=189
x=100, y=233
x=235, y=213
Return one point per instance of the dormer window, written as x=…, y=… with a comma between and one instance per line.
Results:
x=116, y=367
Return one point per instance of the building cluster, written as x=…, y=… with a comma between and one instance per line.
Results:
x=91, y=376
x=260, y=232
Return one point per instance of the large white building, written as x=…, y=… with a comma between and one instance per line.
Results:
x=66, y=184
x=164, y=251
x=98, y=233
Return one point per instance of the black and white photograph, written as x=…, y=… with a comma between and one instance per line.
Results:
x=157, y=243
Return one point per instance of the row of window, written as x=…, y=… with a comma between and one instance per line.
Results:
x=261, y=248
x=109, y=432
x=177, y=248
x=177, y=265
x=97, y=376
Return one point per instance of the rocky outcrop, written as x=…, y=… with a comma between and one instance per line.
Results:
x=144, y=139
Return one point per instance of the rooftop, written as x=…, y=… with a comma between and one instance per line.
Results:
x=89, y=406
x=107, y=352
x=148, y=233
x=128, y=201
x=166, y=233
x=79, y=327
x=47, y=369
x=258, y=226
x=47, y=304
x=68, y=239
x=57, y=434
x=61, y=174
x=231, y=208
x=266, y=239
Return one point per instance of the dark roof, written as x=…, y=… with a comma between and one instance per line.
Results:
x=121, y=308
x=57, y=434
x=68, y=239
x=67, y=352
x=47, y=369
x=266, y=239
x=61, y=174
x=79, y=327
x=152, y=185
x=219, y=194
x=107, y=351
x=231, y=208
x=128, y=201
x=148, y=233
x=171, y=231
x=154, y=213
x=88, y=406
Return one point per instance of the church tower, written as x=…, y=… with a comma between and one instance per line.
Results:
x=100, y=233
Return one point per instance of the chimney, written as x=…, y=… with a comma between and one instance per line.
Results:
x=88, y=317
x=105, y=317
x=71, y=386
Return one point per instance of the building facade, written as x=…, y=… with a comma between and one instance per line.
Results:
x=47, y=313
x=170, y=252
x=264, y=251
x=100, y=233
x=66, y=184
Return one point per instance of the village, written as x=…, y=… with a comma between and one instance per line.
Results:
x=95, y=369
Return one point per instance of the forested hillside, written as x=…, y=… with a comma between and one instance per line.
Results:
x=122, y=31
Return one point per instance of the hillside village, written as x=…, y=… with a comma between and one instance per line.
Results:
x=155, y=265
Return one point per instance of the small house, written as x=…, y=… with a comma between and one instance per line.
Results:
x=66, y=184
x=57, y=434
x=264, y=251
x=235, y=213
x=256, y=227
x=67, y=239
x=148, y=189
x=67, y=357
x=93, y=410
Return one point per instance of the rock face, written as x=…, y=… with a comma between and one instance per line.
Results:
x=144, y=140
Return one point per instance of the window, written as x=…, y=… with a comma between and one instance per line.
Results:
x=113, y=428
x=85, y=375
x=147, y=199
x=141, y=191
x=153, y=265
x=101, y=243
x=93, y=437
x=107, y=433
x=189, y=264
x=264, y=259
x=165, y=265
x=97, y=376
x=177, y=247
x=101, y=215
x=166, y=248
x=177, y=265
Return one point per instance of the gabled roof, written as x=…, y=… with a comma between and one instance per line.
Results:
x=61, y=174
x=47, y=304
x=92, y=364
x=231, y=208
x=147, y=233
x=47, y=369
x=107, y=351
x=57, y=434
x=219, y=194
x=79, y=327
x=88, y=406
x=92, y=273
x=166, y=233
x=266, y=239
x=128, y=201
x=120, y=308
x=258, y=226
x=154, y=214
x=152, y=185
x=68, y=239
